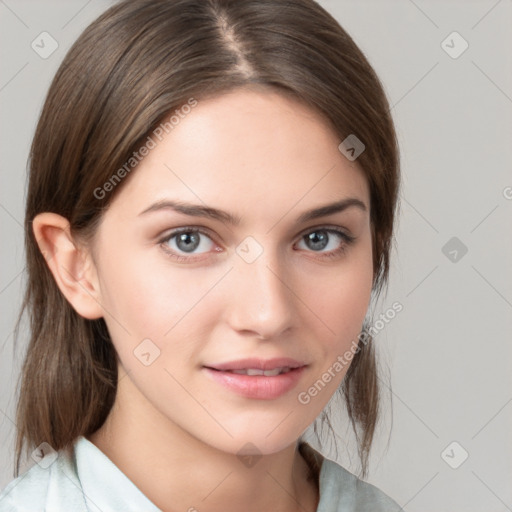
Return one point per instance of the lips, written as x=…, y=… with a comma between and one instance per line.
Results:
x=258, y=387
x=255, y=371
x=257, y=378
x=278, y=363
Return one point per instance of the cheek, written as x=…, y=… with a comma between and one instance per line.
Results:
x=343, y=298
x=137, y=296
x=151, y=300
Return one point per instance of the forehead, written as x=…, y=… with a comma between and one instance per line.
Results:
x=246, y=150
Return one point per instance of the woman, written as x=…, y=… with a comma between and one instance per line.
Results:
x=211, y=202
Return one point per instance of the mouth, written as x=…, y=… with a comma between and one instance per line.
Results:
x=256, y=371
x=253, y=364
x=256, y=378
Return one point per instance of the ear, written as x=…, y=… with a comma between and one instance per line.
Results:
x=71, y=264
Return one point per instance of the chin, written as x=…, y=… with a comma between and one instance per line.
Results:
x=258, y=438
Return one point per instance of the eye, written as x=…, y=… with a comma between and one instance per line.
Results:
x=329, y=242
x=183, y=241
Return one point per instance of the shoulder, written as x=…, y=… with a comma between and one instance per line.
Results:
x=78, y=479
x=350, y=493
x=49, y=485
x=340, y=490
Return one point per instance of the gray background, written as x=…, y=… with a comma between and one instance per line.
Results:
x=449, y=350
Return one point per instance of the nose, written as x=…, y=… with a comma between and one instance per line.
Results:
x=261, y=300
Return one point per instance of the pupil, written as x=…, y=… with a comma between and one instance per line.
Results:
x=184, y=241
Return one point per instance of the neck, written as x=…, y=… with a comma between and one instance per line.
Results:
x=177, y=471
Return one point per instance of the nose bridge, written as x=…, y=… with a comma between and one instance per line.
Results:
x=261, y=299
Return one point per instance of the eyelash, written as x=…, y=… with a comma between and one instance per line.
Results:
x=347, y=240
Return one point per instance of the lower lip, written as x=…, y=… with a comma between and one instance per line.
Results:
x=257, y=386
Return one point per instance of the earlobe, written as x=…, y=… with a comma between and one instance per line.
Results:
x=71, y=265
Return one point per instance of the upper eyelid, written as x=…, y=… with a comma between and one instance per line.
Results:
x=326, y=227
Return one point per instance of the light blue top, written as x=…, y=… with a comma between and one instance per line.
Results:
x=86, y=480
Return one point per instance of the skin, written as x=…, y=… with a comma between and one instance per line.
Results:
x=265, y=158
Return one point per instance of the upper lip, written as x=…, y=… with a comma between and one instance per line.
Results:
x=258, y=364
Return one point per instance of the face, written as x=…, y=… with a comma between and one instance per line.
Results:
x=190, y=294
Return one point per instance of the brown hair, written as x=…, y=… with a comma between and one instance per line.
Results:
x=135, y=64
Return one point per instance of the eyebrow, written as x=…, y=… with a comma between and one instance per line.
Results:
x=197, y=210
